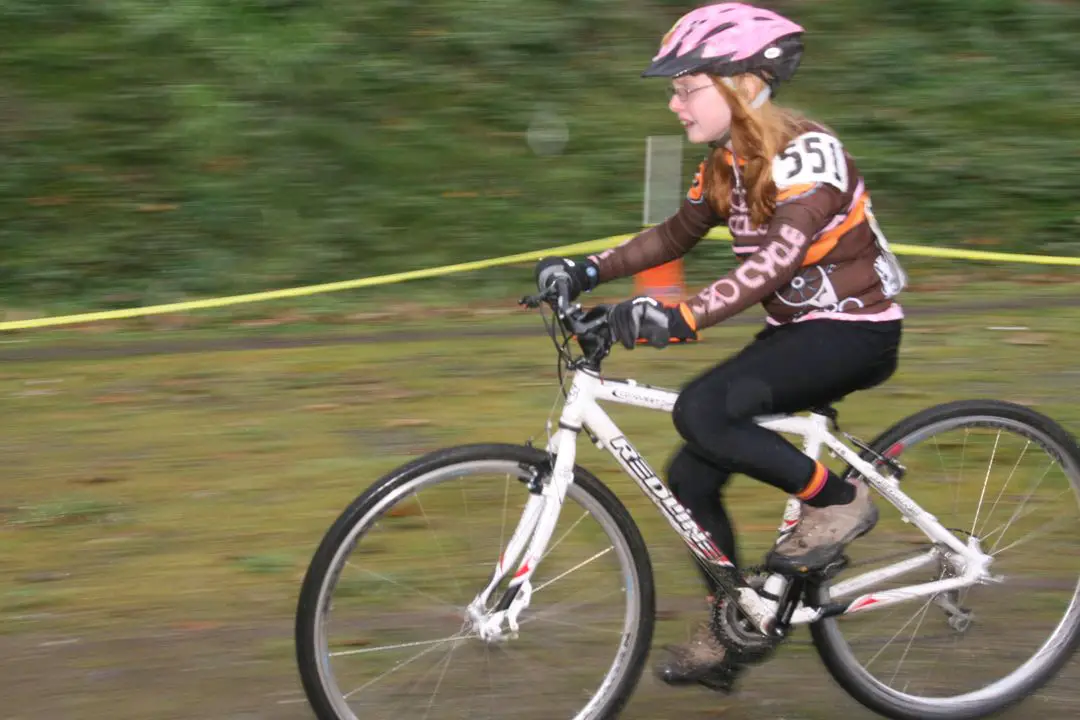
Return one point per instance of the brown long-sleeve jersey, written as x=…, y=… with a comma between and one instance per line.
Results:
x=822, y=253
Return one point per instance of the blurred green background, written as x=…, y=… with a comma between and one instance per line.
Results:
x=162, y=498
x=155, y=152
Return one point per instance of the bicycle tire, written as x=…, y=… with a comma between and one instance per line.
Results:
x=837, y=655
x=366, y=508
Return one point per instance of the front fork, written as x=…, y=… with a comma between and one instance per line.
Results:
x=533, y=533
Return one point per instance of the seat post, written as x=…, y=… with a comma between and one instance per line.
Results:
x=827, y=411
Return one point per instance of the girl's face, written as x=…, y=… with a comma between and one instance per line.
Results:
x=702, y=109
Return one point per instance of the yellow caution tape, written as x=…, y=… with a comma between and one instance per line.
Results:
x=938, y=252
x=590, y=246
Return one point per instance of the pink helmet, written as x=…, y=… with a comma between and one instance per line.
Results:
x=728, y=39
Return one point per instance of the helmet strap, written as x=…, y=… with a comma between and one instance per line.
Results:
x=759, y=100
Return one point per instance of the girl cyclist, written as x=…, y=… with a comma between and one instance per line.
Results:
x=810, y=252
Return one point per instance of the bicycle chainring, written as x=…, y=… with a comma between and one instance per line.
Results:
x=744, y=642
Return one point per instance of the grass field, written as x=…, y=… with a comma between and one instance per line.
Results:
x=158, y=511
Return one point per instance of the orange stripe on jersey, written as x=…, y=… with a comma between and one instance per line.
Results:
x=688, y=316
x=824, y=244
x=729, y=156
x=697, y=187
x=794, y=191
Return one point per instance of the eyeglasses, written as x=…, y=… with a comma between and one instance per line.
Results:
x=684, y=93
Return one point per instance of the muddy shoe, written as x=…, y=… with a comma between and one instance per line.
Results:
x=699, y=662
x=822, y=534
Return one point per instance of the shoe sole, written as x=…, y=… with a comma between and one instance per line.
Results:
x=717, y=682
x=788, y=566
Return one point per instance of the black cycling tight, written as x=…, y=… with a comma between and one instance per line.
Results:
x=786, y=369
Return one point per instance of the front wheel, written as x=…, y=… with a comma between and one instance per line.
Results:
x=1002, y=476
x=382, y=629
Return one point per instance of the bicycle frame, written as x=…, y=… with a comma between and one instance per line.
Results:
x=582, y=410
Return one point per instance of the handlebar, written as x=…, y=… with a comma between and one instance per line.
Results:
x=589, y=327
x=572, y=317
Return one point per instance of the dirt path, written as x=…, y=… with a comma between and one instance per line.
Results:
x=98, y=350
x=247, y=673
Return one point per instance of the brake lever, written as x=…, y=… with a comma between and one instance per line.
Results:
x=583, y=328
x=534, y=301
x=568, y=313
x=530, y=301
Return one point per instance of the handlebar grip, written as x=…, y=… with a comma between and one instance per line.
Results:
x=547, y=277
x=562, y=289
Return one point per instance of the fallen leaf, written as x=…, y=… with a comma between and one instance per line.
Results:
x=404, y=511
x=98, y=480
x=50, y=201
x=114, y=399
x=224, y=164
x=359, y=642
x=1028, y=339
x=407, y=422
x=45, y=576
x=197, y=625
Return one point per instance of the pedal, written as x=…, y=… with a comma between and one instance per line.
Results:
x=799, y=580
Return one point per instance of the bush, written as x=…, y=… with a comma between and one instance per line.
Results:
x=165, y=150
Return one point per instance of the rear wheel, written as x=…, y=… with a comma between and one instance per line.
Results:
x=382, y=629
x=1010, y=477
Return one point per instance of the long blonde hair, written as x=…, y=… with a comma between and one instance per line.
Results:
x=757, y=136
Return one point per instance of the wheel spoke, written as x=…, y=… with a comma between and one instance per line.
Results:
x=399, y=646
x=574, y=569
x=986, y=481
x=1004, y=486
x=398, y=666
x=400, y=584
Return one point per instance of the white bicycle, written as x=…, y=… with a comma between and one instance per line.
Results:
x=404, y=589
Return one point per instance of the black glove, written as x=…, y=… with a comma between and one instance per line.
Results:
x=646, y=320
x=583, y=275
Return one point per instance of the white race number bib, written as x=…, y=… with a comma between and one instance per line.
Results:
x=810, y=159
